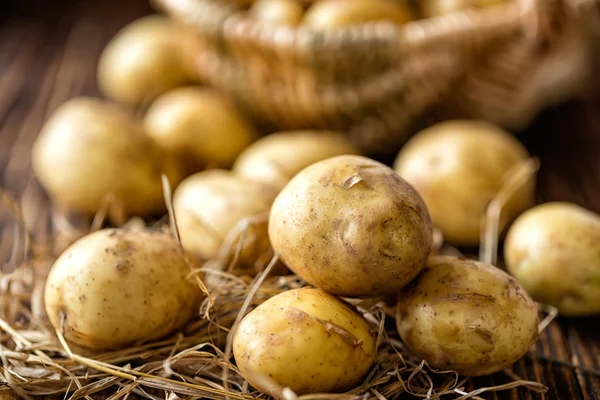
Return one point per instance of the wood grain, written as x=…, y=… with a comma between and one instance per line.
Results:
x=49, y=53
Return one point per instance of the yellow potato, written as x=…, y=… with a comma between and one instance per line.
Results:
x=90, y=149
x=351, y=226
x=142, y=61
x=276, y=158
x=199, y=125
x=436, y=8
x=307, y=340
x=326, y=14
x=277, y=12
x=466, y=316
x=552, y=250
x=458, y=167
x=211, y=203
x=117, y=287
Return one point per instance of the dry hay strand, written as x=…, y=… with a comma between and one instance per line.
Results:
x=197, y=362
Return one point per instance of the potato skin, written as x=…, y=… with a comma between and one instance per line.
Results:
x=466, y=316
x=307, y=340
x=276, y=158
x=89, y=149
x=328, y=14
x=199, y=125
x=437, y=8
x=553, y=250
x=142, y=61
x=458, y=167
x=277, y=12
x=119, y=287
x=351, y=226
x=209, y=204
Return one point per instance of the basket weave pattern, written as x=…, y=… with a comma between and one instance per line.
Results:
x=380, y=81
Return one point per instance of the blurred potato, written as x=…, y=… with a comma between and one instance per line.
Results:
x=277, y=12
x=327, y=14
x=437, y=8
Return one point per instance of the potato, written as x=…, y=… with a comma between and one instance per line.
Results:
x=552, y=250
x=307, y=340
x=466, y=316
x=210, y=203
x=437, y=8
x=351, y=226
x=142, y=61
x=326, y=14
x=277, y=12
x=117, y=287
x=90, y=149
x=458, y=167
x=276, y=158
x=199, y=125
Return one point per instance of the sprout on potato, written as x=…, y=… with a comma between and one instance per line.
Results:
x=276, y=158
x=552, y=250
x=115, y=288
x=211, y=203
x=277, y=12
x=458, y=167
x=142, y=61
x=327, y=14
x=351, y=226
x=304, y=339
x=200, y=126
x=466, y=316
x=90, y=150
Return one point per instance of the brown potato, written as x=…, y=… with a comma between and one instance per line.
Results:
x=437, y=8
x=211, y=203
x=458, y=167
x=552, y=250
x=466, y=316
x=200, y=126
x=307, y=340
x=327, y=14
x=277, y=12
x=351, y=226
x=276, y=158
x=89, y=150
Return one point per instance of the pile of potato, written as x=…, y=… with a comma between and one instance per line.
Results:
x=349, y=226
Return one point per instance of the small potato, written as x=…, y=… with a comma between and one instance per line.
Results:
x=328, y=14
x=277, y=12
x=351, y=226
x=115, y=288
x=553, y=250
x=210, y=204
x=142, y=61
x=437, y=8
x=89, y=150
x=458, y=167
x=466, y=316
x=200, y=125
x=276, y=158
x=307, y=340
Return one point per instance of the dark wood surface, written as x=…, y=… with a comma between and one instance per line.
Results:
x=48, y=53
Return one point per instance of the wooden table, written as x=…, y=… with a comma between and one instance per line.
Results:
x=48, y=53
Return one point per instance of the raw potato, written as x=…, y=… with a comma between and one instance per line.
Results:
x=437, y=8
x=351, y=226
x=553, y=250
x=307, y=340
x=466, y=316
x=276, y=158
x=328, y=14
x=142, y=61
x=199, y=125
x=117, y=287
x=277, y=12
x=89, y=150
x=458, y=167
x=210, y=204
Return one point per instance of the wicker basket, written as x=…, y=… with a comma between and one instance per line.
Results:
x=380, y=82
